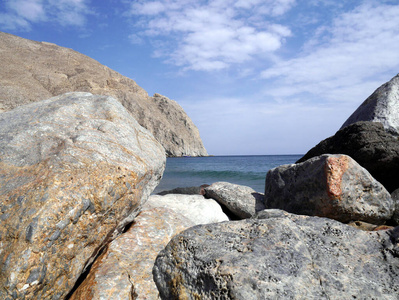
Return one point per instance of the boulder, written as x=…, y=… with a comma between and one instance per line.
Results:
x=124, y=270
x=332, y=186
x=370, y=145
x=196, y=208
x=295, y=257
x=191, y=190
x=242, y=201
x=38, y=70
x=74, y=171
x=382, y=106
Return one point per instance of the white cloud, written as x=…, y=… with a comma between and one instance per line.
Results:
x=31, y=10
x=13, y=22
x=21, y=14
x=212, y=35
x=344, y=59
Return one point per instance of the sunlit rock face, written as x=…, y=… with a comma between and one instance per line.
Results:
x=382, y=106
x=74, y=170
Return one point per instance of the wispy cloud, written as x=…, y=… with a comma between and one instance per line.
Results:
x=212, y=35
x=21, y=14
x=357, y=51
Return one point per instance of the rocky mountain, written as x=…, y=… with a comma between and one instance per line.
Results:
x=38, y=70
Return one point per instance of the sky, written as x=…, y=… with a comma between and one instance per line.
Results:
x=256, y=77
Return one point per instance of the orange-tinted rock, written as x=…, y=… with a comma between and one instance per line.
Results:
x=383, y=227
x=124, y=270
x=74, y=170
x=332, y=186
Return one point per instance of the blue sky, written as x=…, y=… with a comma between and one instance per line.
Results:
x=256, y=77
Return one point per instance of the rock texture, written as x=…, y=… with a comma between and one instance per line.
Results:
x=293, y=257
x=124, y=270
x=333, y=186
x=242, y=201
x=196, y=208
x=35, y=71
x=395, y=198
x=382, y=106
x=191, y=190
x=74, y=170
x=370, y=145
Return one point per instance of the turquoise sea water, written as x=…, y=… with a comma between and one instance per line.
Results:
x=244, y=170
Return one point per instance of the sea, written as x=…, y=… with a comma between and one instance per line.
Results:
x=248, y=170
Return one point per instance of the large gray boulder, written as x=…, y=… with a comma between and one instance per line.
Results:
x=35, y=71
x=74, y=171
x=382, y=106
x=242, y=201
x=370, y=145
x=332, y=186
x=285, y=257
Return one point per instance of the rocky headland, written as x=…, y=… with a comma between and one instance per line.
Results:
x=33, y=71
x=78, y=221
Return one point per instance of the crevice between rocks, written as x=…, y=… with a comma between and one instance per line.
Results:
x=85, y=273
x=99, y=251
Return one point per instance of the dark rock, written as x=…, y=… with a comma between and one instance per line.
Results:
x=64, y=165
x=240, y=200
x=294, y=257
x=395, y=198
x=370, y=145
x=192, y=190
x=382, y=106
x=332, y=186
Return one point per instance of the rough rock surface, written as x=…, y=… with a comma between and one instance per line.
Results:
x=241, y=200
x=395, y=198
x=124, y=270
x=382, y=106
x=191, y=190
x=196, y=208
x=74, y=171
x=35, y=71
x=295, y=257
x=370, y=145
x=332, y=186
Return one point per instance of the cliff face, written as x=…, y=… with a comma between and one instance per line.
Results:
x=34, y=71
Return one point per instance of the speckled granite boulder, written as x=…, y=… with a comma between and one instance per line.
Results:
x=294, y=257
x=332, y=186
x=124, y=270
x=242, y=201
x=74, y=170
